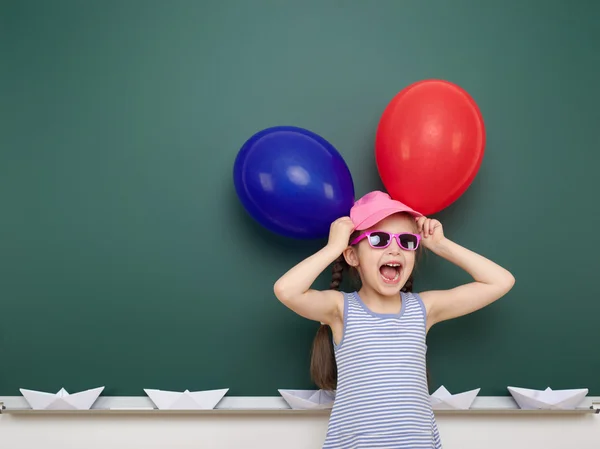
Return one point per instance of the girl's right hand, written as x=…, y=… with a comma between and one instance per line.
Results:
x=339, y=234
x=294, y=288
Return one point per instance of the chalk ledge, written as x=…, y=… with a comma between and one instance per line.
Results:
x=271, y=405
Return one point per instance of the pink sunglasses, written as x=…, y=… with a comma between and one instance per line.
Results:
x=382, y=239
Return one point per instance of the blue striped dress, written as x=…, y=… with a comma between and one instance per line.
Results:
x=382, y=398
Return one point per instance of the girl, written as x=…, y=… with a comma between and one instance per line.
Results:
x=377, y=357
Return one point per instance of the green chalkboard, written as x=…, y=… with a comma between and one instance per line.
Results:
x=126, y=259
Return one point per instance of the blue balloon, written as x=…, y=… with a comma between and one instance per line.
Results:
x=293, y=182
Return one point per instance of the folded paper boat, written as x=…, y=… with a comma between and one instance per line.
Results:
x=441, y=399
x=186, y=400
x=62, y=400
x=308, y=399
x=548, y=399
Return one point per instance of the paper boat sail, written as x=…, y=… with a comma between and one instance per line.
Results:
x=548, y=399
x=441, y=399
x=62, y=400
x=186, y=400
x=308, y=399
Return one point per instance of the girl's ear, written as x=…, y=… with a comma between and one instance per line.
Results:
x=351, y=256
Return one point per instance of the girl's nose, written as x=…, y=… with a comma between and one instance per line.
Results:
x=394, y=248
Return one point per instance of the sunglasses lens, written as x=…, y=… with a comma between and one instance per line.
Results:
x=409, y=241
x=379, y=239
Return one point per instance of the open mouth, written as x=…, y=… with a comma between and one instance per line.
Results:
x=390, y=272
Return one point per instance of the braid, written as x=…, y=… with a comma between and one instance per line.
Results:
x=336, y=272
x=323, y=366
x=408, y=287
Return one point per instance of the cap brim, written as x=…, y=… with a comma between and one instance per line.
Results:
x=376, y=217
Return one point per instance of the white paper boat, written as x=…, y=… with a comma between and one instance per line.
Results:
x=441, y=399
x=308, y=399
x=548, y=399
x=186, y=400
x=62, y=400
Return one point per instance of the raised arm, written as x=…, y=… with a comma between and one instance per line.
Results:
x=293, y=289
x=491, y=281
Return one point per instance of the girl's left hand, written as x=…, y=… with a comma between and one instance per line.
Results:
x=431, y=231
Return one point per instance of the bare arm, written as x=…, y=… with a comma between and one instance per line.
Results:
x=491, y=281
x=293, y=289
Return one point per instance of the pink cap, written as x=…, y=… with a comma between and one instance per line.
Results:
x=374, y=207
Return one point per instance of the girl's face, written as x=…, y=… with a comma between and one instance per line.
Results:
x=385, y=270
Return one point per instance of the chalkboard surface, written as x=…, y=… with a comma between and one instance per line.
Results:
x=126, y=259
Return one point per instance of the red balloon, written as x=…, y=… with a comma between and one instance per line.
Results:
x=429, y=145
